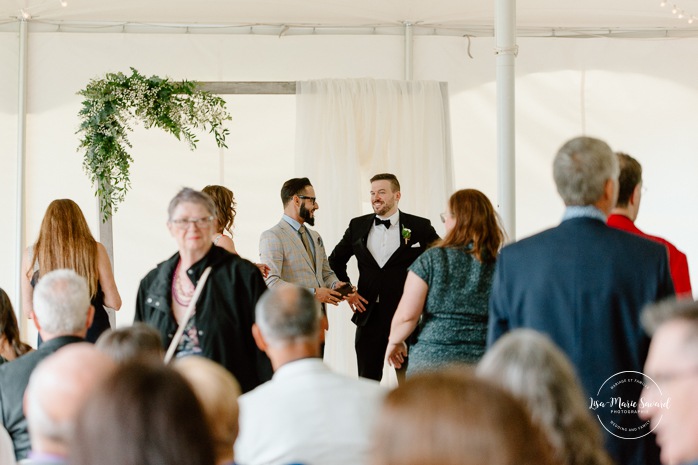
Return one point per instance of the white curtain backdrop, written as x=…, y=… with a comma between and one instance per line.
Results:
x=347, y=130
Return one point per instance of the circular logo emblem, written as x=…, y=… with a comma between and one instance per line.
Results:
x=620, y=401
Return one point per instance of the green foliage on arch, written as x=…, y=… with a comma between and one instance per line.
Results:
x=113, y=103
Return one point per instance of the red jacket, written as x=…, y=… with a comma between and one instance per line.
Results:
x=677, y=259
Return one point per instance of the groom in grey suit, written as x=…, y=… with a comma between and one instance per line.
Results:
x=294, y=253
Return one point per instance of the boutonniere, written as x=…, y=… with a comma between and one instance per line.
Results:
x=319, y=241
x=406, y=234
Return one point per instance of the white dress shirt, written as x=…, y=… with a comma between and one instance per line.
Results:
x=308, y=414
x=383, y=242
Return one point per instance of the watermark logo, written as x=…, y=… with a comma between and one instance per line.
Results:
x=622, y=398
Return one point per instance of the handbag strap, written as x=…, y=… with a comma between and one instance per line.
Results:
x=190, y=311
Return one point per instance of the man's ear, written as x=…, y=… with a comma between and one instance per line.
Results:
x=37, y=323
x=324, y=326
x=635, y=198
x=90, y=316
x=398, y=195
x=258, y=338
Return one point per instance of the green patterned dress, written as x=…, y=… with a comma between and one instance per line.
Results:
x=453, y=328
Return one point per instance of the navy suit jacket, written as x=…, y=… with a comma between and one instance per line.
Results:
x=584, y=284
x=387, y=282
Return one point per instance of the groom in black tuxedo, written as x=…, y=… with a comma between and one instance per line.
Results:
x=385, y=244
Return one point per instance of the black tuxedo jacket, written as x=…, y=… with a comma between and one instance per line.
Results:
x=386, y=282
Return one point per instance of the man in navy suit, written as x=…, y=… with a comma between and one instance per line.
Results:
x=385, y=243
x=584, y=283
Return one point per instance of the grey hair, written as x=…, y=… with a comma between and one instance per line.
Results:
x=287, y=314
x=655, y=315
x=62, y=302
x=530, y=366
x=190, y=195
x=581, y=169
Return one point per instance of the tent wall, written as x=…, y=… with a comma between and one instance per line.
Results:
x=638, y=95
x=9, y=45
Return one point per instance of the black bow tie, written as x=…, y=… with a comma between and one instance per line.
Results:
x=385, y=223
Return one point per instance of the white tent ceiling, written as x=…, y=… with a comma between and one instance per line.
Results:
x=474, y=17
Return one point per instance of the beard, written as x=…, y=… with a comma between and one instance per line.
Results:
x=383, y=208
x=307, y=215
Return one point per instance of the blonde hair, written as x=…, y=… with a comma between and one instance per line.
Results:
x=218, y=392
x=65, y=241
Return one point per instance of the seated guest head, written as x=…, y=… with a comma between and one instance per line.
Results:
x=452, y=418
x=62, y=305
x=288, y=322
x=672, y=363
x=586, y=173
x=137, y=342
x=527, y=364
x=143, y=414
x=218, y=392
x=56, y=391
x=11, y=346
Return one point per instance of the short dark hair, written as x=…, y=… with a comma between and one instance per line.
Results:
x=293, y=187
x=394, y=183
x=630, y=176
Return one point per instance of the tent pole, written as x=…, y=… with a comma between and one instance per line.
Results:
x=506, y=49
x=409, y=55
x=21, y=164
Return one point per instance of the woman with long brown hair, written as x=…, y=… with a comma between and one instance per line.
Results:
x=65, y=241
x=11, y=346
x=449, y=286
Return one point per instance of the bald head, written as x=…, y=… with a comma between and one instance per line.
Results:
x=55, y=393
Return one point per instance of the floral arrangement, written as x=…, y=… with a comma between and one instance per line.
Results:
x=113, y=103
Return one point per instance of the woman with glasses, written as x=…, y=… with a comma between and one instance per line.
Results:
x=225, y=206
x=221, y=327
x=65, y=241
x=448, y=289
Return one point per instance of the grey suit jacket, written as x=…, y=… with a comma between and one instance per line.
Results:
x=14, y=377
x=282, y=250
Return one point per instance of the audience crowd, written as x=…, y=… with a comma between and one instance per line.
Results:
x=506, y=348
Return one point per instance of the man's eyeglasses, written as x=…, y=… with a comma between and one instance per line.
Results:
x=199, y=222
x=305, y=197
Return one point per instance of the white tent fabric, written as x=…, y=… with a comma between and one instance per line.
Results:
x=639, y=95
x=350, y=129
x=448, y=17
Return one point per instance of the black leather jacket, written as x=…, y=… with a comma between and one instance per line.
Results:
x=224, y=312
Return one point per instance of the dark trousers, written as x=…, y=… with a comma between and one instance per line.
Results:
x=372, y=340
